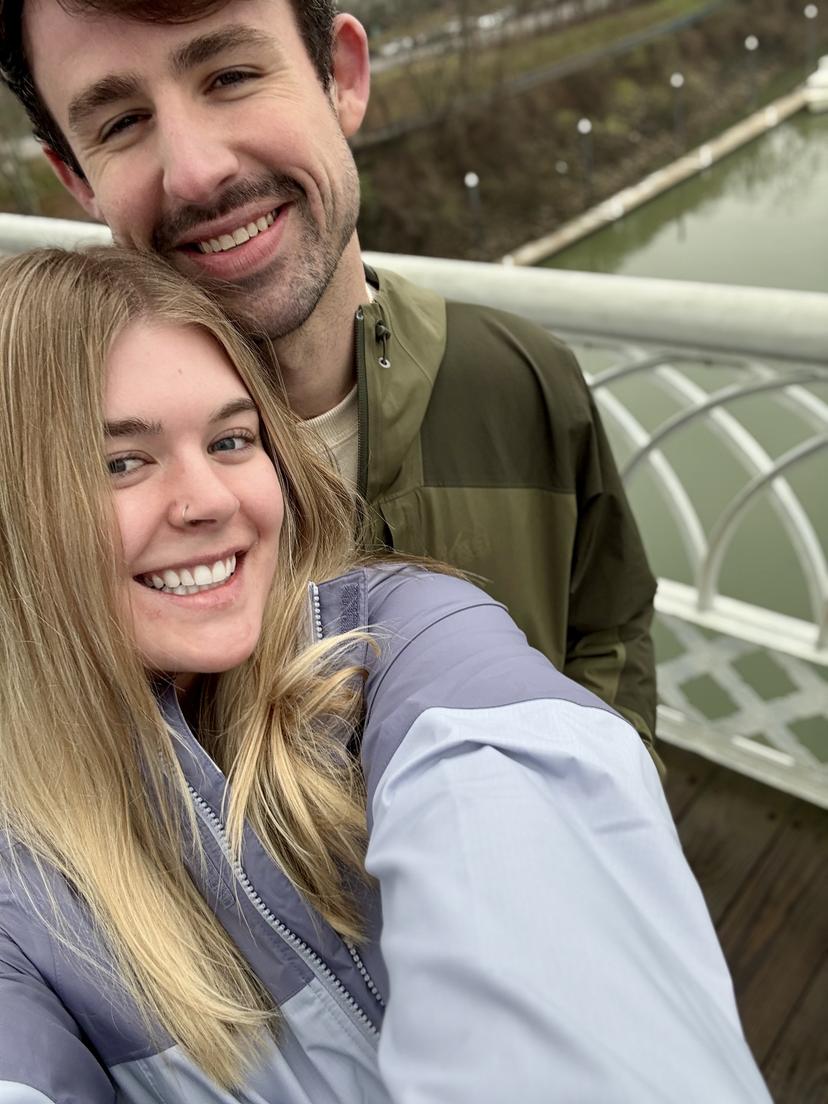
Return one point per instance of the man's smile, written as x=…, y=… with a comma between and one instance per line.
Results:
x=224, y=242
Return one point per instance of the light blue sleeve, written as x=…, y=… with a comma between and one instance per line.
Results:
x=544, y=937
x=43, y=1059
x=12, y=1092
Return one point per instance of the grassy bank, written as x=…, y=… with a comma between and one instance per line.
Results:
x=430, y=85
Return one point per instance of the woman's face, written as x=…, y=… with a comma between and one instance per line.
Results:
x=197, y=499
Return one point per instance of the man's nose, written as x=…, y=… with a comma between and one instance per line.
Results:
x=198, y=160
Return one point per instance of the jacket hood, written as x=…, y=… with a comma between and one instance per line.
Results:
x=400, y=367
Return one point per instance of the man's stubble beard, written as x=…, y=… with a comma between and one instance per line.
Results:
x=279, y=300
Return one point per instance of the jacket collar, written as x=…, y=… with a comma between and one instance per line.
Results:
x=400, y=370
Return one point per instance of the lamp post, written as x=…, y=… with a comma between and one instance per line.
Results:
x=585, y=132
x=810, y=11
x=752, y=45
x=677, y=84
x=472, y=183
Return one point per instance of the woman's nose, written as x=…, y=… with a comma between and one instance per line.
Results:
x=202, y=498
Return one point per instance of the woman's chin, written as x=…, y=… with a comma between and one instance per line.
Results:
x=186, y=667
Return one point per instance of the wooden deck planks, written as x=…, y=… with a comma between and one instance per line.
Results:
x=687, y=775
x=726, y=832
x=774, y=935
x=797, y=1066
x=761, y=858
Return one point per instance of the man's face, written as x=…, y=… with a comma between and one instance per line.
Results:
x=213, y=143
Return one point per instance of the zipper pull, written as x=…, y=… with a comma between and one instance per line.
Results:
x=383, y=335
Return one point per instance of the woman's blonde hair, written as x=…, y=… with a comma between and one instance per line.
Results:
x=87, y=760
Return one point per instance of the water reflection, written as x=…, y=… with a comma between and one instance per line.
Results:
x=758, y=217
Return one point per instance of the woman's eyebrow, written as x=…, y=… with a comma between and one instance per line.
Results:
x=235, y=406
x=139, y=427
x=132, y=427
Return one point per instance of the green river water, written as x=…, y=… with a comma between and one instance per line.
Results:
x=758, y=217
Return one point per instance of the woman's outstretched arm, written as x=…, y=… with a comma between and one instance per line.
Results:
x=544, y=937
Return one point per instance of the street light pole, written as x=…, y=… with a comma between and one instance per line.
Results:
x=585, y=132
x=677, y=84
x=810, y=11
x=472, y=183
x=752, y=45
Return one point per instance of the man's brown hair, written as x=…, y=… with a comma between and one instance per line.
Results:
x=314, y=17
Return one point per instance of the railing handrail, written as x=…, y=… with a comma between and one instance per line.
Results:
x=779, y=324
x=788, y=326
x=768, y=322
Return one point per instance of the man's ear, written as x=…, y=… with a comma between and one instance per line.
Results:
x=351, y=73
x=73, y=183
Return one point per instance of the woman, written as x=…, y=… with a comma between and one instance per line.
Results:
x=195, y=727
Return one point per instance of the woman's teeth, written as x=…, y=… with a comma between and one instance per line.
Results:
x=192, y=580
x=238, y=237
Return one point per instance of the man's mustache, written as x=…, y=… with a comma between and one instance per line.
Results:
x=176, y=226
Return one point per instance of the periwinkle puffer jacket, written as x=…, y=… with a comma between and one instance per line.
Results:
x=542, y=938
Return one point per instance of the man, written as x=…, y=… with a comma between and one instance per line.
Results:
x=215, y=133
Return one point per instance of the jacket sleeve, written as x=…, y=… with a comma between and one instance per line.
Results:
x=609, y=648
x=525, y=493
x=43, y=1059
x=543, y=935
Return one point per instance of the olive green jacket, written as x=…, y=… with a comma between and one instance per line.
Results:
x=480, y=445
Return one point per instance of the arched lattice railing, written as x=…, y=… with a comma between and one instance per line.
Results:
x=765, y=473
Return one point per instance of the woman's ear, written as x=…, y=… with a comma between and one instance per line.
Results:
x=73, y=183
x=351, y=73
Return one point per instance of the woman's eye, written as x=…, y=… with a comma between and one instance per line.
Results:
x=233, y=442
x=124, y=465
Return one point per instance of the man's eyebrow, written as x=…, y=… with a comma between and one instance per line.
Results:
x=207, y=46
x=102, y=93
x=122, y=86
x=235, y=406
x=132, y=427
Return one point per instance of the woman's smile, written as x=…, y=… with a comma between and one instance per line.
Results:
x=192, y=578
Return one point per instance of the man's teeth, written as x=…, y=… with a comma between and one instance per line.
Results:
x=238, y=237
x=192, y=580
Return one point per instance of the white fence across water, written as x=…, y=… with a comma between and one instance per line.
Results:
x=741, y=681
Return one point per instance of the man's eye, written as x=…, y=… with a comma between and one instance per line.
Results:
x=231, y=77
x=126, y=122
x=123, y=465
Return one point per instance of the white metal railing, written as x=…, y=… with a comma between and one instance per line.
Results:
x=774, y=345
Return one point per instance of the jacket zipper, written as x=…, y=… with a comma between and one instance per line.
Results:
x=316, y=635
x=362, y=403
x=366, y=977
x=320, y=969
